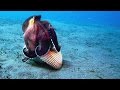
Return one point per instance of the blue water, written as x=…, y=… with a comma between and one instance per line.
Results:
x=109, y=18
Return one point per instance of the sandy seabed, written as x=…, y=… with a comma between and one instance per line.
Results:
x=89, y=52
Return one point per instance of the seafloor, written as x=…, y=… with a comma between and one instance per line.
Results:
x=89, y=52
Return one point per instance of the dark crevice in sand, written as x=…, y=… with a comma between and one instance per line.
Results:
x=0, y=66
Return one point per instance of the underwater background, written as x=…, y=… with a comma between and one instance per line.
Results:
x=90, y=43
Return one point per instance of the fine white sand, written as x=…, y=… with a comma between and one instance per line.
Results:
x=89, y=52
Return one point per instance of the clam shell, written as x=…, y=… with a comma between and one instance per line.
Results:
x=53, y=59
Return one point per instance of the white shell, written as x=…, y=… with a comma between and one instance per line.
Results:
x=53, y=59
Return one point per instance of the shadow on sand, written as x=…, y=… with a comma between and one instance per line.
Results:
x=40, y=64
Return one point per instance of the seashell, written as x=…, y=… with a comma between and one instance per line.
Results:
x=53, y=59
